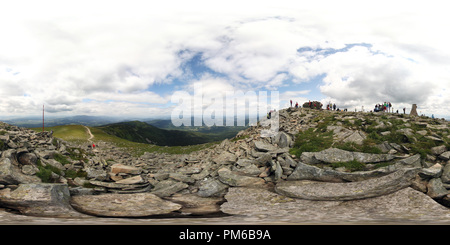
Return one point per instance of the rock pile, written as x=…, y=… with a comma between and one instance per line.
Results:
x=116, y=184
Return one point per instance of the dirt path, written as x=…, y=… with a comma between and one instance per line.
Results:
x=90, y=134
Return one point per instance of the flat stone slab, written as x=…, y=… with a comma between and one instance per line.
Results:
x=406, y=205
x=40, y=199
x=307, y=172
x=123, y=205
x=230, y=178
x=334, y=155
x=324, y=191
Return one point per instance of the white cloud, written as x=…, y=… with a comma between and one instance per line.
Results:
x=101, y=56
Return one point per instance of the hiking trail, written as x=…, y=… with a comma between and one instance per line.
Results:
x=90, y=134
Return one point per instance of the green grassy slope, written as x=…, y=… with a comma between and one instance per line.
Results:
x=142, y=132
x=77, y=134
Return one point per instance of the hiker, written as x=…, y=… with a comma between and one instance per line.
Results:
x=404, y=110
x=291, y=103
x=334, y=107
x=93, y=145
x=296, y=104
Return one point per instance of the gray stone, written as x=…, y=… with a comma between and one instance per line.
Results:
x=29, y=170
x=356, y=137
x=307, y=172
x=45, y=200
x=230, y=178
x=116, y=185
x=406, y=205
x=263, y=146
x=278, y=171
x=96, y=174
x=166, y=188
x=334, y=155
x=434, y=171
x=225, y=158
x=53, y=163
x=446, y=174
x=438, y=150
x=123, y=205
x=121, y=168
x=27, y=159
x=212, y=188
x=131, y=180
x=11, y=174
x=264, y=160
x=436, y=189
x=283, y=140
x=412, y=161
x=445, y=156
x=322, y=191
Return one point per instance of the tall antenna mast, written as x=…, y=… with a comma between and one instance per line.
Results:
x=42, y=118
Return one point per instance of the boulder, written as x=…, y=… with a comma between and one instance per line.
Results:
x=231, y=178
x=27, y=159
x=446, y=174
x=45, y=200
x=123, y=205
x=122, y=187
x=445, y=156
x=225, y=158
x=283, y=140
x=132, y=180
x=307, y=172
x=11, y=174
x=120, y=168
x=212, y=188
x=412, y=161
x=436, y=189
x=356, y=137
x=263, y=146
x=334, y=155
x=323, y=191
x=168, y=187
x=406, y=205
x=434, y=171
x=438, y=150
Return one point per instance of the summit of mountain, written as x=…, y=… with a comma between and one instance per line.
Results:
x=317, y=166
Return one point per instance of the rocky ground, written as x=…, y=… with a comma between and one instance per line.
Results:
x=403, y=173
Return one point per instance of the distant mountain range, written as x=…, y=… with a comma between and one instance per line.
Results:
x=34, y=122
x=151, y=131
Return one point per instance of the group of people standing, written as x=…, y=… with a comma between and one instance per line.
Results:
x=386, y=106
x=331, y=107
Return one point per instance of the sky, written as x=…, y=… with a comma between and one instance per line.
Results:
x=128, y=58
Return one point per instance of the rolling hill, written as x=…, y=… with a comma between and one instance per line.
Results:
x=142, y=132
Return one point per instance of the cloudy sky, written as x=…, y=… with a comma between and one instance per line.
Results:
x=127, y=58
